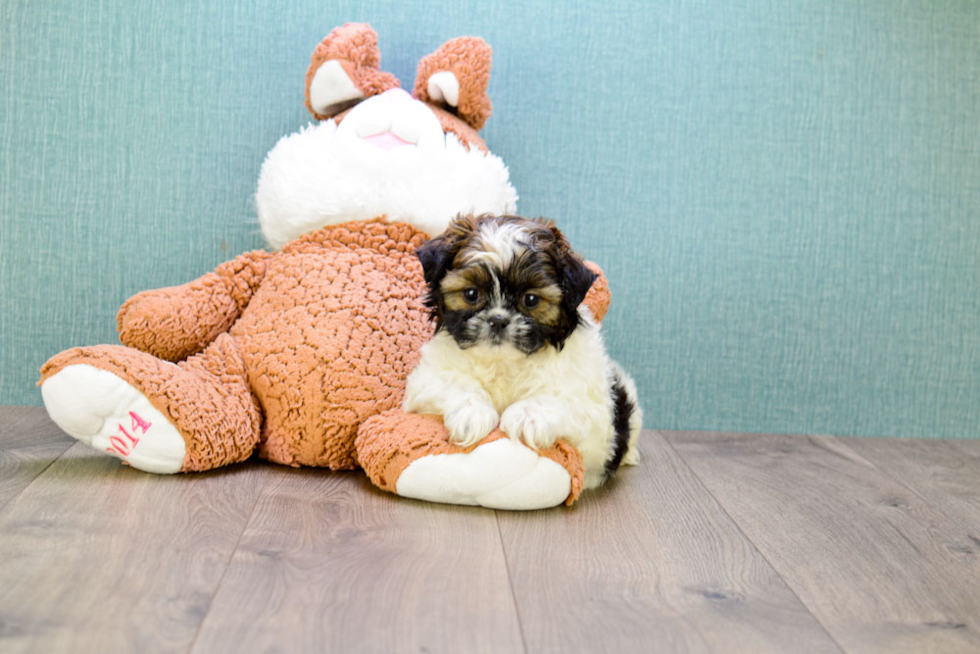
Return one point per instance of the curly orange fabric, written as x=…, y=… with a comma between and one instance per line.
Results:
x=599, y=294
x=175, y=322
x=355, y=47
x=206, y=397
x=322, y=337
x=469, y=59
x=330, y=337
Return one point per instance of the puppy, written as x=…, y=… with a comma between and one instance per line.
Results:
x=514, y=346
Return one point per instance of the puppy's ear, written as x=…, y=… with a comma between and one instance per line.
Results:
x=435, y=257
x=576, y=278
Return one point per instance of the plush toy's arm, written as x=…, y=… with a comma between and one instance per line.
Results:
x=175, y=322
x=598, y=297
x=410, y=455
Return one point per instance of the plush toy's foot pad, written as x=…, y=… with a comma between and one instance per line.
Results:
x=503, y=474
x=103, y=411
x=411, y=455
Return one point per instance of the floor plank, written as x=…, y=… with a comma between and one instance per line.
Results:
x=650, y=563
x=945, y=472
x=873, y=561
x=717, y=542
x=329, y=563
x=95, y=556
x=29, y=443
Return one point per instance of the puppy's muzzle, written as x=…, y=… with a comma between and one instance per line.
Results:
x=498, y=323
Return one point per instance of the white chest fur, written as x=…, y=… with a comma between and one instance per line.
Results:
x=566, y=393
x=508, y=375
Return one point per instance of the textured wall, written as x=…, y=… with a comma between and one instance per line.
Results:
x=786, y=196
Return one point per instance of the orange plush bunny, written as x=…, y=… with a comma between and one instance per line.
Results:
x=301, y=353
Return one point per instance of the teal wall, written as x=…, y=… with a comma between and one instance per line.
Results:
x=785, y=195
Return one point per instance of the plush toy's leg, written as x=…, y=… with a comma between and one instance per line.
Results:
x=411, y=455
x=156, y=416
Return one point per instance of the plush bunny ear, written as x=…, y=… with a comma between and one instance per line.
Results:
x=456, y=76
x=344, y=70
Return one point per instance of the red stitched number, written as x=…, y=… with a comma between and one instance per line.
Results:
x=122, y=447
x=139, y=423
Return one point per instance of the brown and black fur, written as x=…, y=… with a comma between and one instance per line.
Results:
x=545, y=268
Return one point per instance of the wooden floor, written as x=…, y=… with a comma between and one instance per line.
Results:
x=717, y=543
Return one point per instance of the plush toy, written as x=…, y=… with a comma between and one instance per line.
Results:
x=301, y=353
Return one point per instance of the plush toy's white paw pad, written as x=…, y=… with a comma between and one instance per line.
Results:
x=101, y=410
x=503, y=474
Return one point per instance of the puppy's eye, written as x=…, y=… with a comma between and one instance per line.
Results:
x=531, y=300
x=471, y=295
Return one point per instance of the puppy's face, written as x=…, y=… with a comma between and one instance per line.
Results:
x=504, y=280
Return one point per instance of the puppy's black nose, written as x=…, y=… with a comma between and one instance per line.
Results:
x=498, y=323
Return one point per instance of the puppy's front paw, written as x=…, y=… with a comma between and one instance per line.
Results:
x=470, y=423
x=528, y=421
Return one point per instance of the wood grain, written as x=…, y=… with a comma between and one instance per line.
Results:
x=650, y=563
x=872, y=560
x=717, y=542
x=944, y=472
x=29, y=443
x=330, y=564
x=95, y=556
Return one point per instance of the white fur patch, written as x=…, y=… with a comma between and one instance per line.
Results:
x=500, y=475
x=500, y=244
x=540, y=397
x=326, y=175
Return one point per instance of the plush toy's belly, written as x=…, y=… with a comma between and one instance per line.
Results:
x=328, y=341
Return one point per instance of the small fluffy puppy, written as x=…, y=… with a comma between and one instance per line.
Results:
x=514, y=347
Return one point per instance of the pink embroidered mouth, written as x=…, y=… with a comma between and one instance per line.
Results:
x=386, y=141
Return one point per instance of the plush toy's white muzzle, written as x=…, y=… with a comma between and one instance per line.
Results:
x=387, y=157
